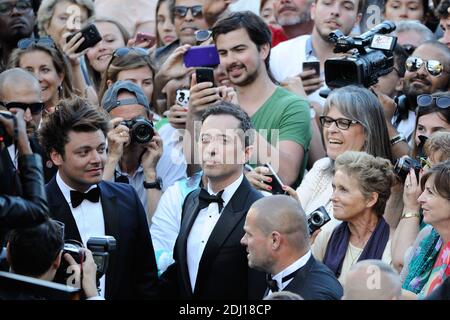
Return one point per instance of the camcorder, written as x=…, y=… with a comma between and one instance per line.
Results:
x=371, y=57
x=317, y=219
x=141, y=129
x=101, y=248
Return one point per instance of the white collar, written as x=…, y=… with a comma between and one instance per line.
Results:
x=65, y=189
x=229, y=190
x=301, y=262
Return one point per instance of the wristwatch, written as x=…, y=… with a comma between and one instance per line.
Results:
x=396, y=139
x=410, y=215
x=153, y=185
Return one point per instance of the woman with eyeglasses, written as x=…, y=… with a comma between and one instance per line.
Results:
x=114, y=36
x=361, y=186
x=165, y=29
x=42, y=58
x=353, y=120
x=427, y=263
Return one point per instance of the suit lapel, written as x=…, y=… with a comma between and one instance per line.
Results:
x=60, y=210
x=229, y=219
x=298, y=282
x=111, y=219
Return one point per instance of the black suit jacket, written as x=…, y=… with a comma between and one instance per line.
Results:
x=223, y=271
x=132, y=271
x=315, y=281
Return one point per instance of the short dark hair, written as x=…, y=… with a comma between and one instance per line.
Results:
x=257, y=29
x=231, y=109
x=400, y=56
x=441, y=175
x=33, y=250
x=70, y=115
x=441, y=10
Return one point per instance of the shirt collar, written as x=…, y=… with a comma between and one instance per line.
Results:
x=65, y=189
x=309, y=49
x=293, y=267
x=229, y=190
x=139, y=170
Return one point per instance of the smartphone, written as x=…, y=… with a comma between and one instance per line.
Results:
x=205, y=75
x=312, y=65
x=276, y=184
x=182, y=97
x=142, y=37
x=201, y=56
x=91, y=37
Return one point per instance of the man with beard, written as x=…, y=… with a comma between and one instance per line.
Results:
x=20, y=89
x=288, y=57
x=16, y=22
x=427, y=72
x=294, y=17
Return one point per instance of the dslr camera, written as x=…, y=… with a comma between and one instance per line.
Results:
x=372, y=58
x=317, y=219
x=403, y=166
x=141, y=129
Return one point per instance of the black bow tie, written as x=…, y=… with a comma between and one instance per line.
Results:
x=272, y=284
x=77, y=197
x=205, y=199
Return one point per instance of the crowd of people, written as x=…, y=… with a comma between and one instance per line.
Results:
x=263, y=181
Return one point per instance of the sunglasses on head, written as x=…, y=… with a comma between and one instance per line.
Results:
x=202, y=35
x=27, y=42
x=121, y=52
x=21, y=6
x=341, y=123
x=434, y=67
x=35, y=107
x=181, y=11
x=426, y=100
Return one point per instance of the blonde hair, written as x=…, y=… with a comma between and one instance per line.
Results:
x=374, y=174
x=439, y=143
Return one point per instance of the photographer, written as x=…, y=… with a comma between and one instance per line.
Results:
x=42, y=245
x=32, y=207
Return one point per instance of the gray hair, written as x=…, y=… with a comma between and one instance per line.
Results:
x=47, y=7
x=416, y=27
x=360, y=104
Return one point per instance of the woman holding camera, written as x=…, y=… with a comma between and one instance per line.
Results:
x=353, y=119
x=361, y=187
x=428, y=263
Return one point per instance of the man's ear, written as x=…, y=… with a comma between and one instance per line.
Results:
x=313, y=10
x=399, y=85
x=264, y=51
x=109, y=83
x=56, y=157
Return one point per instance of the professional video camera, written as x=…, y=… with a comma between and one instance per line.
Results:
x=374, y=57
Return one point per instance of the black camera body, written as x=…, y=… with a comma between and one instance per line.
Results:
x=374, y=57
x=403, y=166
x=317, y=219
x=101, y=247
x=141, y=129
x=4, y=136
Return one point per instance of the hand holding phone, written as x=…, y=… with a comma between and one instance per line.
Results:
x=276, y=184
x=312, y=65
x=205, y=75
x=201, y=56
x=142, y=37
x=91, y=37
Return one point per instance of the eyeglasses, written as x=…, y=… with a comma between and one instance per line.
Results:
x=409, y=48
x=202, y=35
x=35, y=107
x=121, y=52
x=341, y=123
x=21, y=6
x=27, y=42
x=426, y=100
x=181, y=11
x=434, y=67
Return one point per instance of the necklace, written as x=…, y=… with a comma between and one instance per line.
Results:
x=351, y=254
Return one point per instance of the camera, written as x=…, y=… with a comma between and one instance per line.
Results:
x=101, y=247
x=317, y=219
x=404, y=165
x=4, y=136
x=141, y=129
x=374, y=57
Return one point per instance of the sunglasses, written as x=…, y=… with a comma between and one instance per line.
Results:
x=341, y=123
x=181, y=11
x=426, y=100
x=27, y=42
x=121, y=52
x=434, y=67
x=202, y=35
x=35, y=107
x=21, y=6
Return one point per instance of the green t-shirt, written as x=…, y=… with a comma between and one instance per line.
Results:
x=290, y=115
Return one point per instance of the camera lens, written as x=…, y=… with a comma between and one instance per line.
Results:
x=317, y=218
x=143, y=133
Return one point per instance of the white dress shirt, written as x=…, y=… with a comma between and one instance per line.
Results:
x=292, y=268
x=202, y=228
x=88, y=217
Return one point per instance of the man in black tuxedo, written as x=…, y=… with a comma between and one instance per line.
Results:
x=209, y=262
x=277, y=241
x=74, y=138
